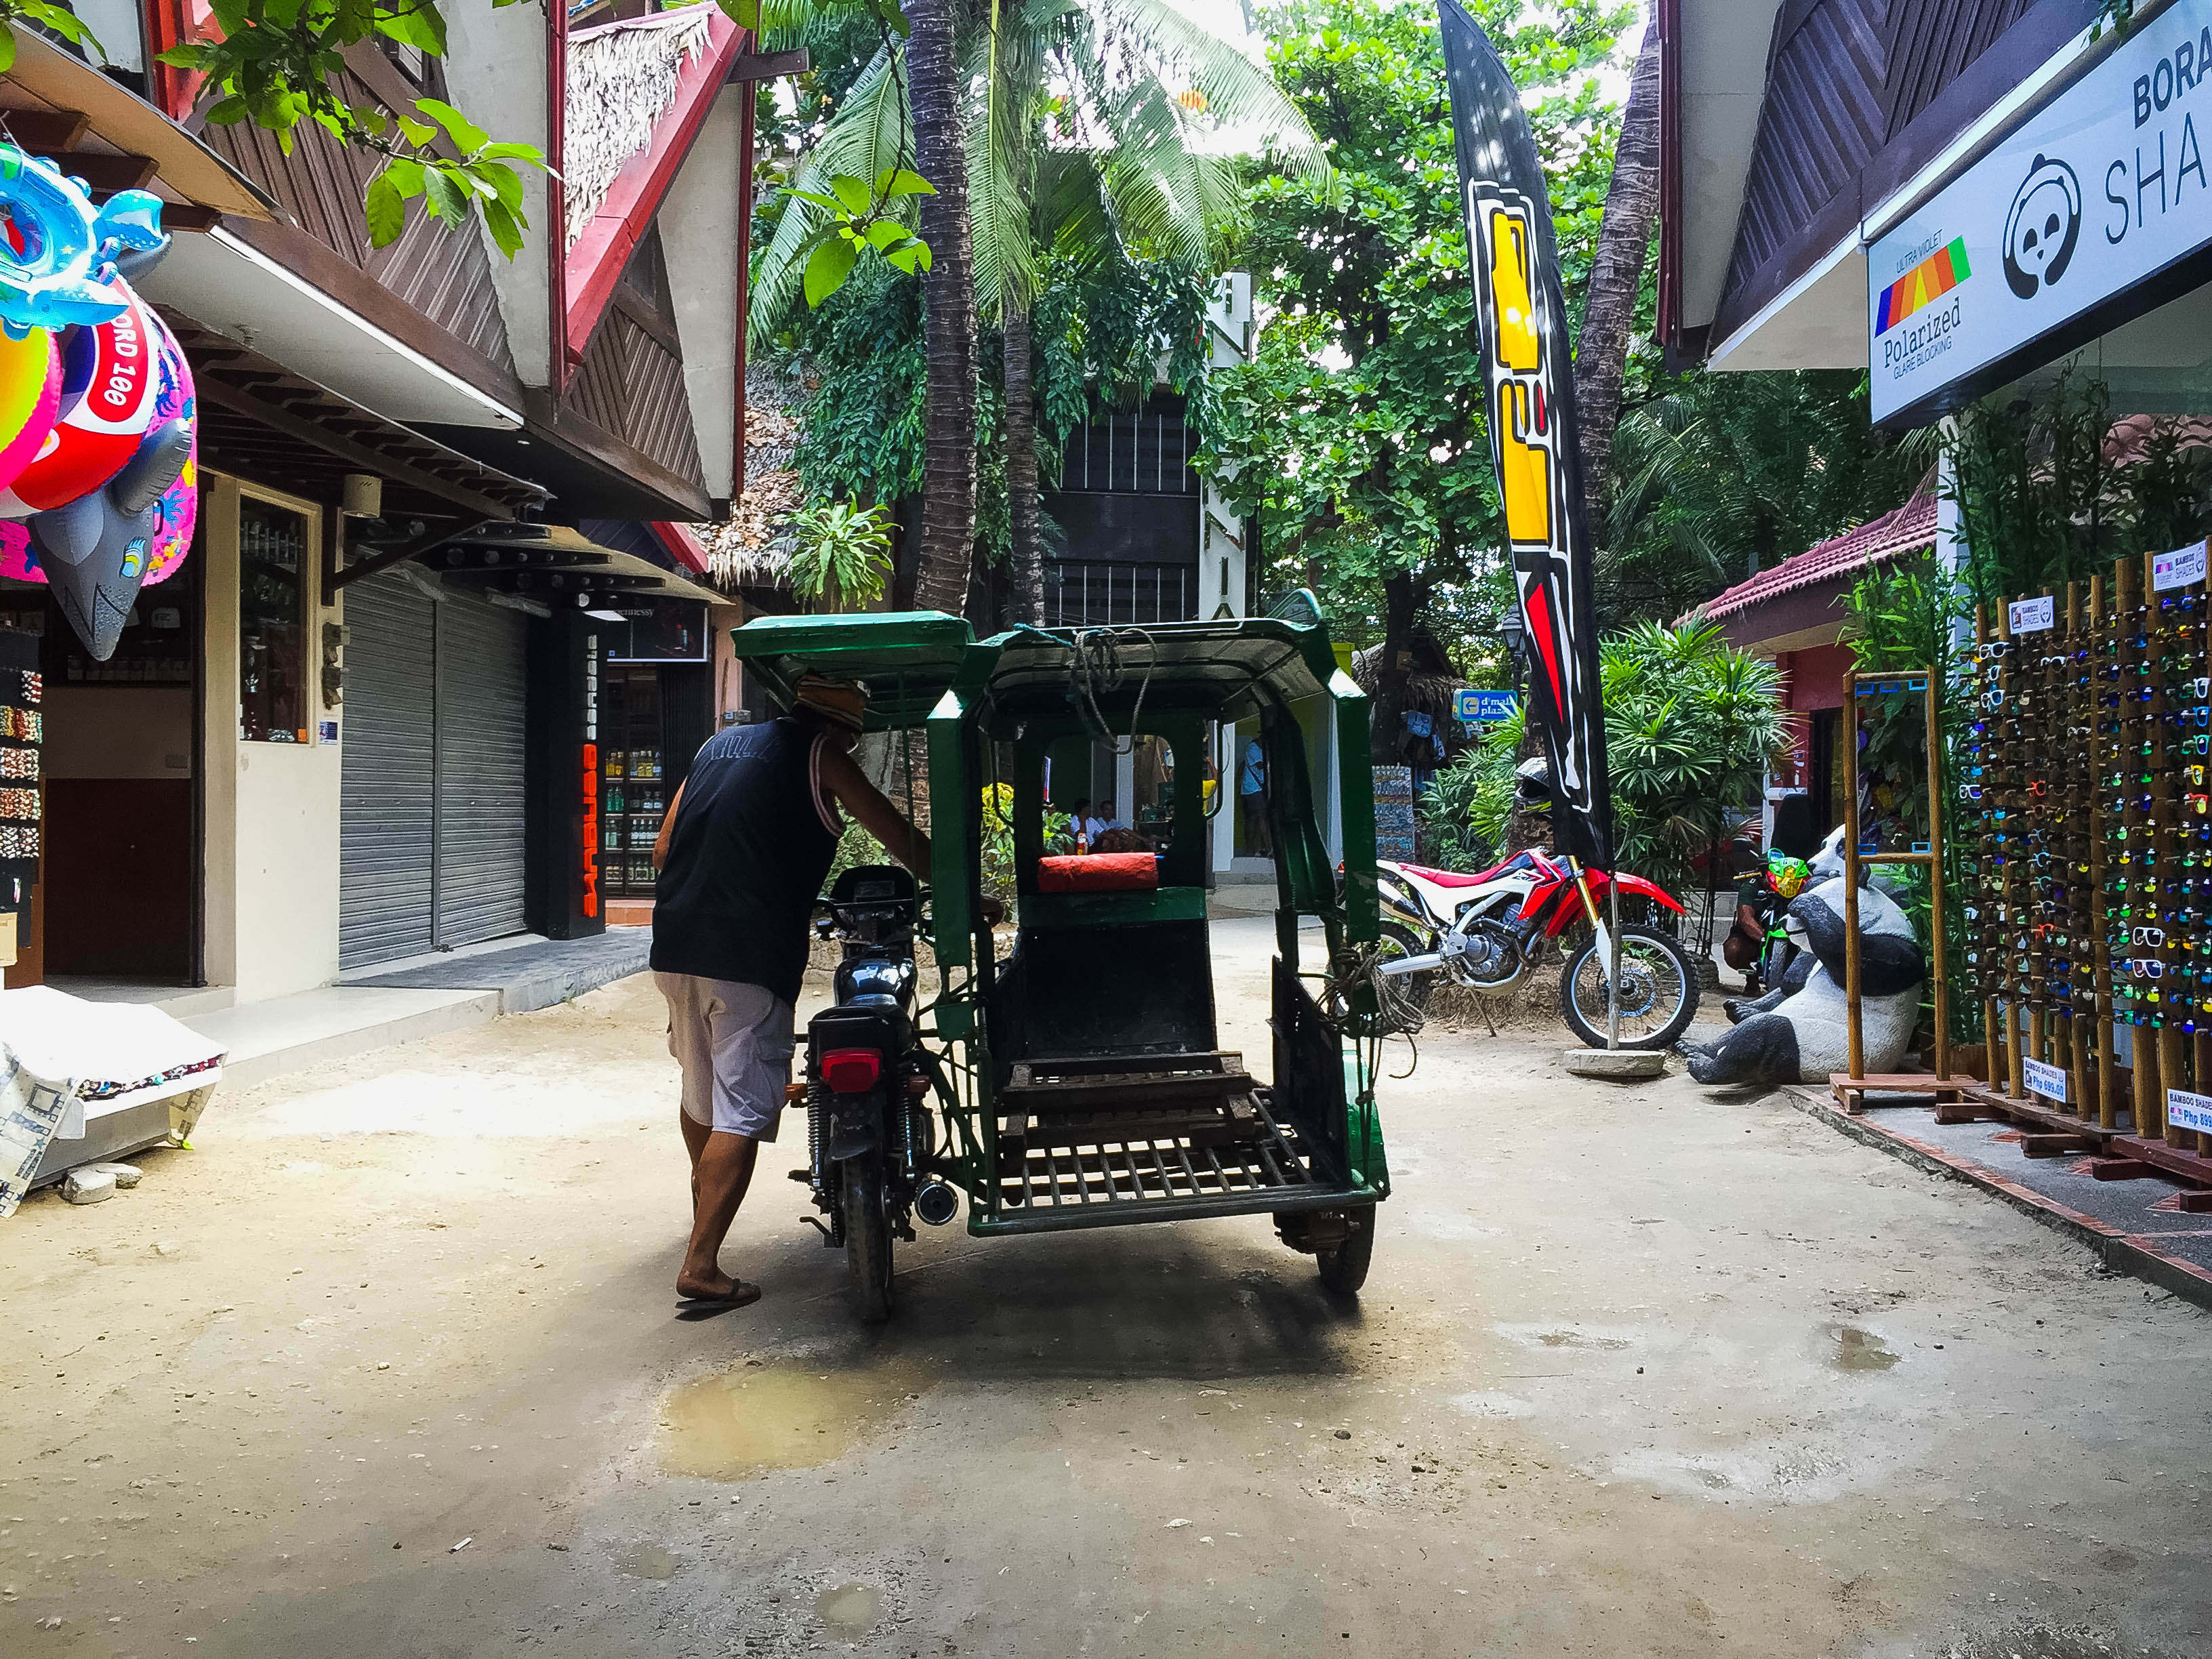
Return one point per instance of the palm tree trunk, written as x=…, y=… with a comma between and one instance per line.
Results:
x=1616, y=278
x=948, y=500
x=1028, y=556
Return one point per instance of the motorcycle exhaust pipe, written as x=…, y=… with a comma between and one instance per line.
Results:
x=1398, y=965
x=936, y=1203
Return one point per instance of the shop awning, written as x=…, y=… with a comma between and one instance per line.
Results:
x=558, y=567
x=94, y=128
x=260, y=421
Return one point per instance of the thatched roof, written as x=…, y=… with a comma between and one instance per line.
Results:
x=753, y=545
x=621, y=80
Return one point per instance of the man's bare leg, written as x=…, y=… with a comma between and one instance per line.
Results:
x=724, y=1169
x=695, y=1143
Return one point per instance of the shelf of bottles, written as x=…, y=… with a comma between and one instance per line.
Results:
x=632, y=797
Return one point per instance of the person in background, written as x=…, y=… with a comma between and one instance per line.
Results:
x=1103, y=819
x=1252, y=801
x=741, y=855
x=1079, y=822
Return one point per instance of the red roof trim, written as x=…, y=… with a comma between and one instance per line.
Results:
x=1902, y=530
x=681, y=546
x=595, y=263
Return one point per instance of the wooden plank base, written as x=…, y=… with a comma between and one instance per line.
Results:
x=2055, y=1146
x=2120, y=1169
x=1847, y=1088
x=2169, y=1160
x=2037, y=1114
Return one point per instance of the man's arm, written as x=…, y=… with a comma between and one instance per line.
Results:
x=667, y=829
x=842, y=777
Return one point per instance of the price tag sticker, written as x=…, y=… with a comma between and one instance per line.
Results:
x=2033, y=616
x=2183, y=568
x=2049, y=1081
x=2187, y=1111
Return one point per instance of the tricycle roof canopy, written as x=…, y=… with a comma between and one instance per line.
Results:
x=1226, y=670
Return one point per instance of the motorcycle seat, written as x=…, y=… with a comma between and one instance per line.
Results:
x=1442, y=877
x=1521, y=860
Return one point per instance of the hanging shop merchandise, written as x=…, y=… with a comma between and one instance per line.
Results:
x=2089, y=922
x=98, y=429
x=22, y=730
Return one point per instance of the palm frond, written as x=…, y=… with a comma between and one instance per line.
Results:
x=870, y=132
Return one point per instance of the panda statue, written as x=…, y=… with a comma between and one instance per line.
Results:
x=1798, y=1033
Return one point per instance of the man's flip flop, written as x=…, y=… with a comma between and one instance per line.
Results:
x=741, y=1295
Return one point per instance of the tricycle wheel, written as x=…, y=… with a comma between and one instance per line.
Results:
x=1344, y=1266
x=867, y=1236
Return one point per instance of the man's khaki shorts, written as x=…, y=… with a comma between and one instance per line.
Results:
x=734, y=1042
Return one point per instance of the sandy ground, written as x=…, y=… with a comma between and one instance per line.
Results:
x=389, y=1365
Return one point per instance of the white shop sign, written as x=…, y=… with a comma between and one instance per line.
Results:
x=2049, y=1081
x=2102, y=188
x=2032, y=615
x=2187, y=1111
x=2183, y=568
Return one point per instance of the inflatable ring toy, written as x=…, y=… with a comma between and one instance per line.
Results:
x=171, y=535
x=49, y=240
x=30, y=398
x=110, y=381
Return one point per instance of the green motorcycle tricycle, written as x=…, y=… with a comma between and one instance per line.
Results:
x=1073, y=1077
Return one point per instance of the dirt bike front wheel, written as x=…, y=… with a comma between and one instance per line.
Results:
x=1658, y=990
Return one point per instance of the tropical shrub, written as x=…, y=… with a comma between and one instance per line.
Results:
x=843, y=555
x=1690, y=725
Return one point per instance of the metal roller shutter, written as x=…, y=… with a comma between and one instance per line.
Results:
x=386, y=780
x=479, y=771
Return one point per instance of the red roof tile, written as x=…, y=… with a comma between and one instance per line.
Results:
x=1889, y=537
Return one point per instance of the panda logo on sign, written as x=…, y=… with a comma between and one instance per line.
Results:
x=2043, y=227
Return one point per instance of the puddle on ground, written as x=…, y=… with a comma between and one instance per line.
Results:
x=645, y=1560
x=1850, y=1349
x=850, y=1611
x=792, y=1414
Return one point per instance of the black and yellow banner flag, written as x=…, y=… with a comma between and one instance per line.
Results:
x=1528, y=369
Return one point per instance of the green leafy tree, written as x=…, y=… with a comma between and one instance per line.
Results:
x=1716, y=476
x=1357, y=437
x=1095, y=131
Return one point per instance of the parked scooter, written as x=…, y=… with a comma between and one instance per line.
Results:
x=1487, y=931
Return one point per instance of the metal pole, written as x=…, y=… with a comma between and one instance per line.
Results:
x=1850, y=735
x=1936, y=871
x=1613, y=966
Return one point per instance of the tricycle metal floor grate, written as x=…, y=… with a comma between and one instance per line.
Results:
x=1136, y=1169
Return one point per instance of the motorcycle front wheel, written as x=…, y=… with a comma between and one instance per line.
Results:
x=1658, y=991
x=867, y=1236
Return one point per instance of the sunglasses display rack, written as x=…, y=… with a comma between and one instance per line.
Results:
x=2082, y=816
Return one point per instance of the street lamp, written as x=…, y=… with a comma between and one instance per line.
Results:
x=1515, y=632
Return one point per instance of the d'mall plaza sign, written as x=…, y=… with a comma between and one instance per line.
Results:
x=2053, y=237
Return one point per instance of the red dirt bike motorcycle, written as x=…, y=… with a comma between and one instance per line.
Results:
x=1487, y=932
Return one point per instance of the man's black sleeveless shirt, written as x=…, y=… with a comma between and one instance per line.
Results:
x=745, y=860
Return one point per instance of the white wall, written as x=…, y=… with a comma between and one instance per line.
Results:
x=495, y=71
x=1221, y=529
x=698, y=237
x=272, y=809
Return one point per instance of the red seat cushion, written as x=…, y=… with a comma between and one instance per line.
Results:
x=1099, y=872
